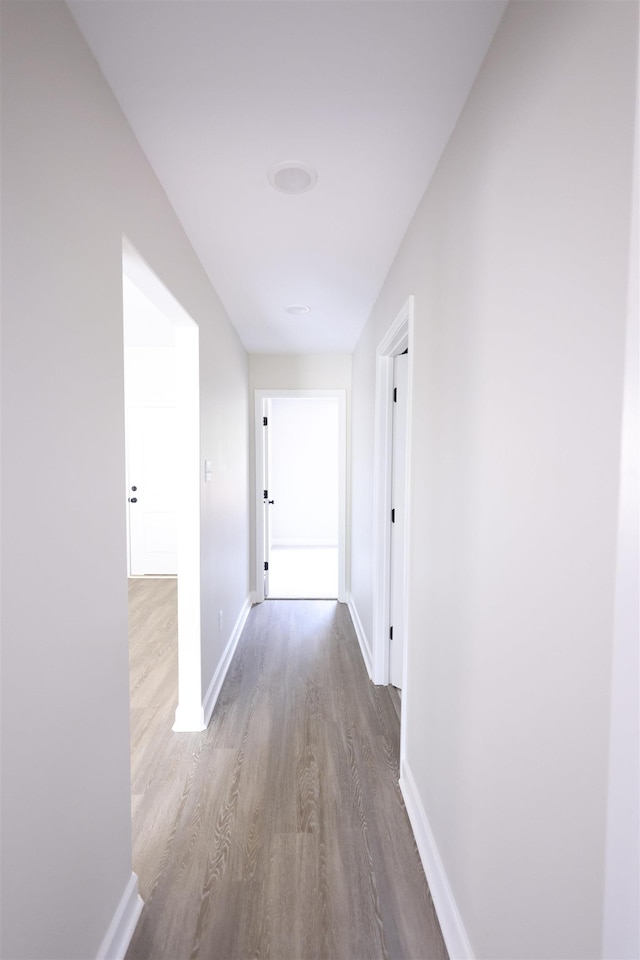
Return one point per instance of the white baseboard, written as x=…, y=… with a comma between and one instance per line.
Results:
x=189, y=719
x=361, y=635
x=118, y=936
x=218, y=678
x=453, y=931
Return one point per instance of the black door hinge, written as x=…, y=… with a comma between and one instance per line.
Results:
x=393, y=515
x=264, y=422
x=390, y=633
x=266, y=565
x=395, y=394
x=265, y=494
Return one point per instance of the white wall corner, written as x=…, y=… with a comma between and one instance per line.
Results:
x=118, y=937
x=365, y=647
x=453, y=931
x=218, y=678
x=189, y=719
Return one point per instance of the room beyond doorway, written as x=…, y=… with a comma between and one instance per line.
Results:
x=303, y=480
x=300, y=494
x=309, y=573
x=162, y=377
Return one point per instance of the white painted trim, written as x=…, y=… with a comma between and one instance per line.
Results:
x=188, y=479
x=381, y=512
x=118, y=937
x=275, y=394
x=453, y=931
x=621, y=924
x=406, y=687
x=189, y=718
x=218, y=678
x=398, y=337
x=365, y=647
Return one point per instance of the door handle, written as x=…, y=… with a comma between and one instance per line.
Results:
x=270, y=501
x=133, y=499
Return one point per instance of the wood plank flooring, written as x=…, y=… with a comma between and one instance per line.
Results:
x=280, y=831
x=153, y=675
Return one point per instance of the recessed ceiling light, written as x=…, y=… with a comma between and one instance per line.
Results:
x=297, y=309
x=292, y=177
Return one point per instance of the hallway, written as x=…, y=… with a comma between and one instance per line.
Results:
x=280, y=831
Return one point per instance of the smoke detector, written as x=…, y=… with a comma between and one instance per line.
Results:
x=292, y=177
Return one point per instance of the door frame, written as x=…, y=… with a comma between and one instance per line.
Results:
x=260, y=398
x=397, y=339
x=189, y=714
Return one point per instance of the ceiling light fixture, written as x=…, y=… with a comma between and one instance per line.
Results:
x=292, y=177
x=297, y=309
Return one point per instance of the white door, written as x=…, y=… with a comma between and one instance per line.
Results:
x=151, y=472
x=268, y=500
x=398, y=526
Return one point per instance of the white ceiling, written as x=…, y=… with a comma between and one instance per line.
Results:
x=219, y=91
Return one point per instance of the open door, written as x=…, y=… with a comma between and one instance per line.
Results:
x=398, y=519
x=151, y=460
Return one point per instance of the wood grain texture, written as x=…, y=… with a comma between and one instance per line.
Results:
x=280, y=831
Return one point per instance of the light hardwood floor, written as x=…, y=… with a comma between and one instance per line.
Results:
x=280, y=831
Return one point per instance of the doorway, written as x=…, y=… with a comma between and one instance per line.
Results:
x=163, y=394
x=301, y=545
x=300, y=494
x=392, y=502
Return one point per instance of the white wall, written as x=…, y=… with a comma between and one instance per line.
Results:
x=621, y=934
x=300, y=372
x=518, y=259
x=295, y=372
x=74, y=181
